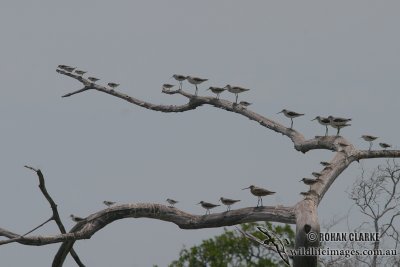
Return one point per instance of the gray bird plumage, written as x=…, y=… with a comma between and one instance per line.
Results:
x=259, y=192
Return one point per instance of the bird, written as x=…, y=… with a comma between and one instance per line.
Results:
x=216, y=90
x=316, y=174
x=244, y=103
x=80, y=72
x=308, y=193
x=259, y=192
x=167, y=86
x=76, y=218
x=309, y=181
x=63, y=66
x=228, y=202
x=207, y=206
x=113, y=85
x=236, y=90
x=171, y=202
x=326, y=165
x=338, y=123
x=195, y=81
x=66, y=68
x=179, y=78
x=384, y=145
x=323, y=121
x=108, y=203
x=369, y=138
x=93, y=79
x=339, y=126
x=291, y=115
x=69, y=69
x=338, y=120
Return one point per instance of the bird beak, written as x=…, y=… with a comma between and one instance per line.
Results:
x=198, y=203
x=279, y=112
x=246, y=188
x=301, y=180
x=313, y=119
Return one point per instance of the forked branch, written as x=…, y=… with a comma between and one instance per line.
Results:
x=55, y=216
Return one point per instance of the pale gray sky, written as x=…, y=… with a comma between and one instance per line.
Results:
x=320, y=58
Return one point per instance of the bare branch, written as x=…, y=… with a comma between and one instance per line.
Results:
x=365, y=154
x=97, y=221
x=93, y=223
x=56, y=216
x=40, y=225
x=300, y=143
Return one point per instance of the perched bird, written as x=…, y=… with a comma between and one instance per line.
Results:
x=326, y=165
x=369, y=138
x=228, y=202
x=316, y=174
x=338, y=120
x=179, y=78
x=171, y=202
x=339, y=126
x=63, y=66
x=69, y=69
x=93, y=79
x=167, y=86
x=207, y=206
x=309, y=181
x=195, y=81
x=108, y=203
x=291, y=115
x=259, y=192
x=113, y=85
x=76, y=218
x=236, y=90
x=308, y=193
x=80, y=72
x=384, y=145
x=338, y=123
x=244, y=103
x=216, y=90
x=323, y=121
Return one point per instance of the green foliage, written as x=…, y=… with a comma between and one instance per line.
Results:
x=234, y=250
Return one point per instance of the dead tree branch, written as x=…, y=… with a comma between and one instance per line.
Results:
x=55, y=216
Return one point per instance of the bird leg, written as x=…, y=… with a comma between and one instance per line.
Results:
x=236, y=98
x=196, y=89
x=326, y=131
x=291, y=124
x=338, y=131
x=261, y=202
x=370, y=146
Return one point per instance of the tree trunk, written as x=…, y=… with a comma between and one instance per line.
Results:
x=307, y=233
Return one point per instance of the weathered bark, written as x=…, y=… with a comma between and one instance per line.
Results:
x=307, y=232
